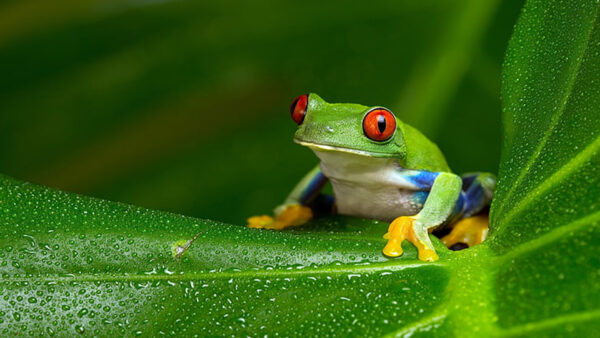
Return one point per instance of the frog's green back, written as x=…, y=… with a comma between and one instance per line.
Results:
x=421, y=153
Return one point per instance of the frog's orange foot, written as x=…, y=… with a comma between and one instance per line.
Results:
x=402, y=228
x=470, y=231
x=292, y=215
x=260, y=222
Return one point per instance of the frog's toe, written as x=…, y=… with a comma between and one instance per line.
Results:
x=470, y=231
x=260, y=222
x=403, y=228
x=292, y=215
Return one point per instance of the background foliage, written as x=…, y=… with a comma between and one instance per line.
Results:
x=182, y=105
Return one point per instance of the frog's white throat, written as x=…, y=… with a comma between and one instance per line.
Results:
x=366, y=186
x=353, y=166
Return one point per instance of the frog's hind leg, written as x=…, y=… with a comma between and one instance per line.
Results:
x=472, y=228
x=470, y=231
x=477, y=192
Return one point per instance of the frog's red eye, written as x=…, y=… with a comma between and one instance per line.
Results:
x=379, y=124
x=298, y=108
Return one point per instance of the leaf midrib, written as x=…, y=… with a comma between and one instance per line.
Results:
x=391, y=266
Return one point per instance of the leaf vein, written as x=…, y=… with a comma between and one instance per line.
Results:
x=408, y=330
x=554, y=235
x=577, y=317
x=553, y=180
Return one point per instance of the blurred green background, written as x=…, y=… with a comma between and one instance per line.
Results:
x=183, y=105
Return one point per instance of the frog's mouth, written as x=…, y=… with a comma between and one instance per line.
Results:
x=330, y=148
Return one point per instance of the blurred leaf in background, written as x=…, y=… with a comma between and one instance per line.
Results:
x=182, y=105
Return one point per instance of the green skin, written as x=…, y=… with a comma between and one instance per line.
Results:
x=338, y=128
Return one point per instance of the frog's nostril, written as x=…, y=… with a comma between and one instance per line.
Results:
x=298, y=108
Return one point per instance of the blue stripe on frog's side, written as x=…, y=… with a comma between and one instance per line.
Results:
x=421, y=180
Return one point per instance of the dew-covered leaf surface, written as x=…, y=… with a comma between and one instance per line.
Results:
x=76, y=264
x=71, y=264
x=545, y=214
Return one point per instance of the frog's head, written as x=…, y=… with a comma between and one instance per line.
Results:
x=346, y=127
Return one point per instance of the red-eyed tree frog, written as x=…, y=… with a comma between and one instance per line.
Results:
x=381, y=168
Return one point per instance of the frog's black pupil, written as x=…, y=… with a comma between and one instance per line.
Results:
x=381, y=124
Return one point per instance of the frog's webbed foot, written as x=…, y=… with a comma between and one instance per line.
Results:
x=292, y=215
x=470, y=231
x=408, y=228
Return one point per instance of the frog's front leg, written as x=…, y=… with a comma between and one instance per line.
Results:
x=294, y=210
x=437, y=208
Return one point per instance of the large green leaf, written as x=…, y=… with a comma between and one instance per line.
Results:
x=545, y=213
x=73, y=264
x=76, y=264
